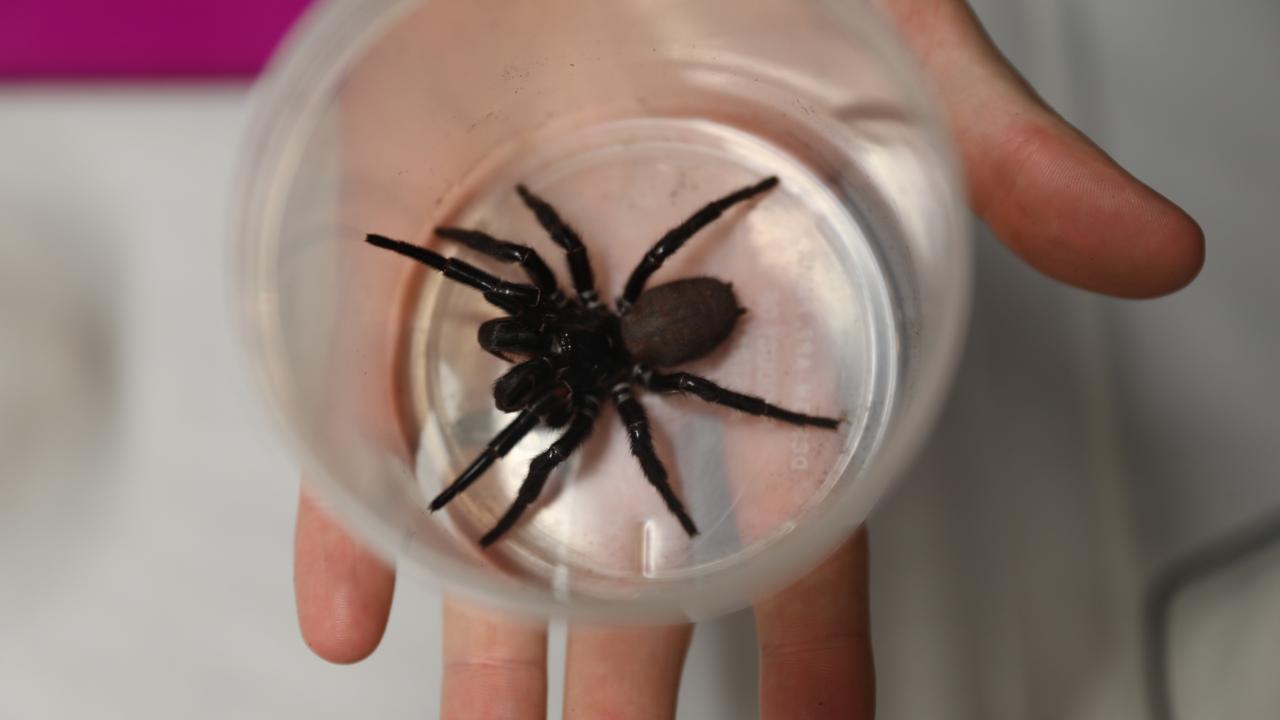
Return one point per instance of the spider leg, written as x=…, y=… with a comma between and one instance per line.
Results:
x=637, y=423
x=676, y=237
x=566, y=237
x=541, y=466
x=701, y=387
x=505, y=295
x=523, y=255
x=505, y=304
x=530, y=382
x=500, y=336
x=498, y=447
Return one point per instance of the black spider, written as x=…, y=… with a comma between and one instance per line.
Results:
x=571, y=353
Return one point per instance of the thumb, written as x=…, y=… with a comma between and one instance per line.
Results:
x=1050, y=194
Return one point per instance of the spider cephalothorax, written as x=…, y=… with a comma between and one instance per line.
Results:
x=570, y=354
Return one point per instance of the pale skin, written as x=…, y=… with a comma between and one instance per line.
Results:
x=1051, y=196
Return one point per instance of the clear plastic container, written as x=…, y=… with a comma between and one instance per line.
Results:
x=394, y=117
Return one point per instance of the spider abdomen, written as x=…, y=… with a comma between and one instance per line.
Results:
x=679, y=321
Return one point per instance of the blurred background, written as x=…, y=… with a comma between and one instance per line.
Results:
x=1094, y=531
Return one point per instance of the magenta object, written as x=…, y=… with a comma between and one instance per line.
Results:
x=45, y=39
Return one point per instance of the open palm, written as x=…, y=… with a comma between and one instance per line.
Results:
x=1051, y=195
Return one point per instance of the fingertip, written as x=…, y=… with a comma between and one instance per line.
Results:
x=1070, y=211
x=1175, y=254
x=337, y=635
x=343, y=622
x=343, y=592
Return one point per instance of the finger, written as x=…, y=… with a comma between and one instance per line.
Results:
x=343, y=591
x=495, y=667
x=815, y=643
x=1053, y=196
x=624, y=673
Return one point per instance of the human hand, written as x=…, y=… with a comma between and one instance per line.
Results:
x=1051, y=195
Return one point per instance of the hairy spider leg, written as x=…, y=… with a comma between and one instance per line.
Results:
x=508, y=252
x=584, y=282
x=541, y=466
x=498, y=447
x=701, y=387
x=500, y=292
x=633, y=417
x=675, y=238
